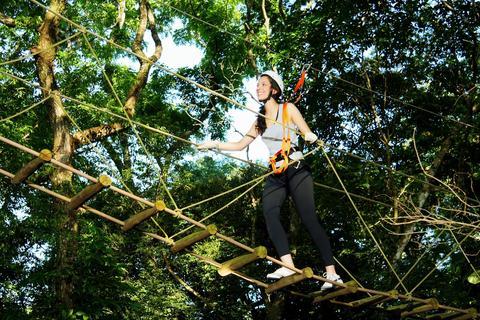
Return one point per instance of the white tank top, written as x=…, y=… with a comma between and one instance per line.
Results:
x=272, y=137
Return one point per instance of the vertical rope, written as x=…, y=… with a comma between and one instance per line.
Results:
x=361, y=217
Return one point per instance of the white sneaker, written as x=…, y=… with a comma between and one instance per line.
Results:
x=333, y=277
x=280, y=273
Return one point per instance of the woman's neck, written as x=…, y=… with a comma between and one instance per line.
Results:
x=271, y=106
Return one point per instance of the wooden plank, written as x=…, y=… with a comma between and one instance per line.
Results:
x=351, y=287
x=287, y=281
x=404, y=306
x=91, y=190
x=238, y=262
x=444, y=315
x=431, y=305
x=28, y=169
x=194, y=237
x=472, y=313
x=393, y=294
x=141, y=216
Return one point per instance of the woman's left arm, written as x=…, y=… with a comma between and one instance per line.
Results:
x=297, y=119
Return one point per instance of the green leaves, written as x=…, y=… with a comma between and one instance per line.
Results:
x=474, y=278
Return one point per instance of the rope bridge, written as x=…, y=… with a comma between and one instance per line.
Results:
x=405, y=305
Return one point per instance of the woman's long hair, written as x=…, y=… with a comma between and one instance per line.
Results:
x=261, y=121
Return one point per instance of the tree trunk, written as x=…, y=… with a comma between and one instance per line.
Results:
x=422, y=197
x=275, y=306
x=62, y=151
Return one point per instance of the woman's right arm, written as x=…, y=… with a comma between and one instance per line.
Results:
x=233, y=146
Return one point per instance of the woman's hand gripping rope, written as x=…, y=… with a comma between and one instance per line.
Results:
x=310, y=137
x=213, y=144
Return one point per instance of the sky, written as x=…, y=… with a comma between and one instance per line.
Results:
x=176, y=56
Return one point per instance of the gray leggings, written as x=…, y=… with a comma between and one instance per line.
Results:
x=298, y=183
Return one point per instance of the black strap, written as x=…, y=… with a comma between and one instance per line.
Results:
x=280, y=157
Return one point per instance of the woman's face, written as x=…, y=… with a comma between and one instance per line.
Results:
x=264, y=87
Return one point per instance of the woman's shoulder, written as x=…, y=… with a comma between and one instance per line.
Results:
x=291, y=107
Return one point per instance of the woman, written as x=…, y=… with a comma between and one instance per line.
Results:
x=295, y=181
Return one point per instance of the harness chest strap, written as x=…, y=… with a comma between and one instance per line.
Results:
x=286, y=144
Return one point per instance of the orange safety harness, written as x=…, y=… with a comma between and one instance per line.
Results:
x=284, y=152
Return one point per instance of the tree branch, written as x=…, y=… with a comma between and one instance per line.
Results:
x=6, y=20
x=422, y=197
x=146, y=17
x=249, y=34
x=96, y=133
x=121, y=13
x=267, y=20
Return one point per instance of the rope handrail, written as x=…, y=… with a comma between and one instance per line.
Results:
x=82, y=103
x=168, y=134
x=400, y=280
